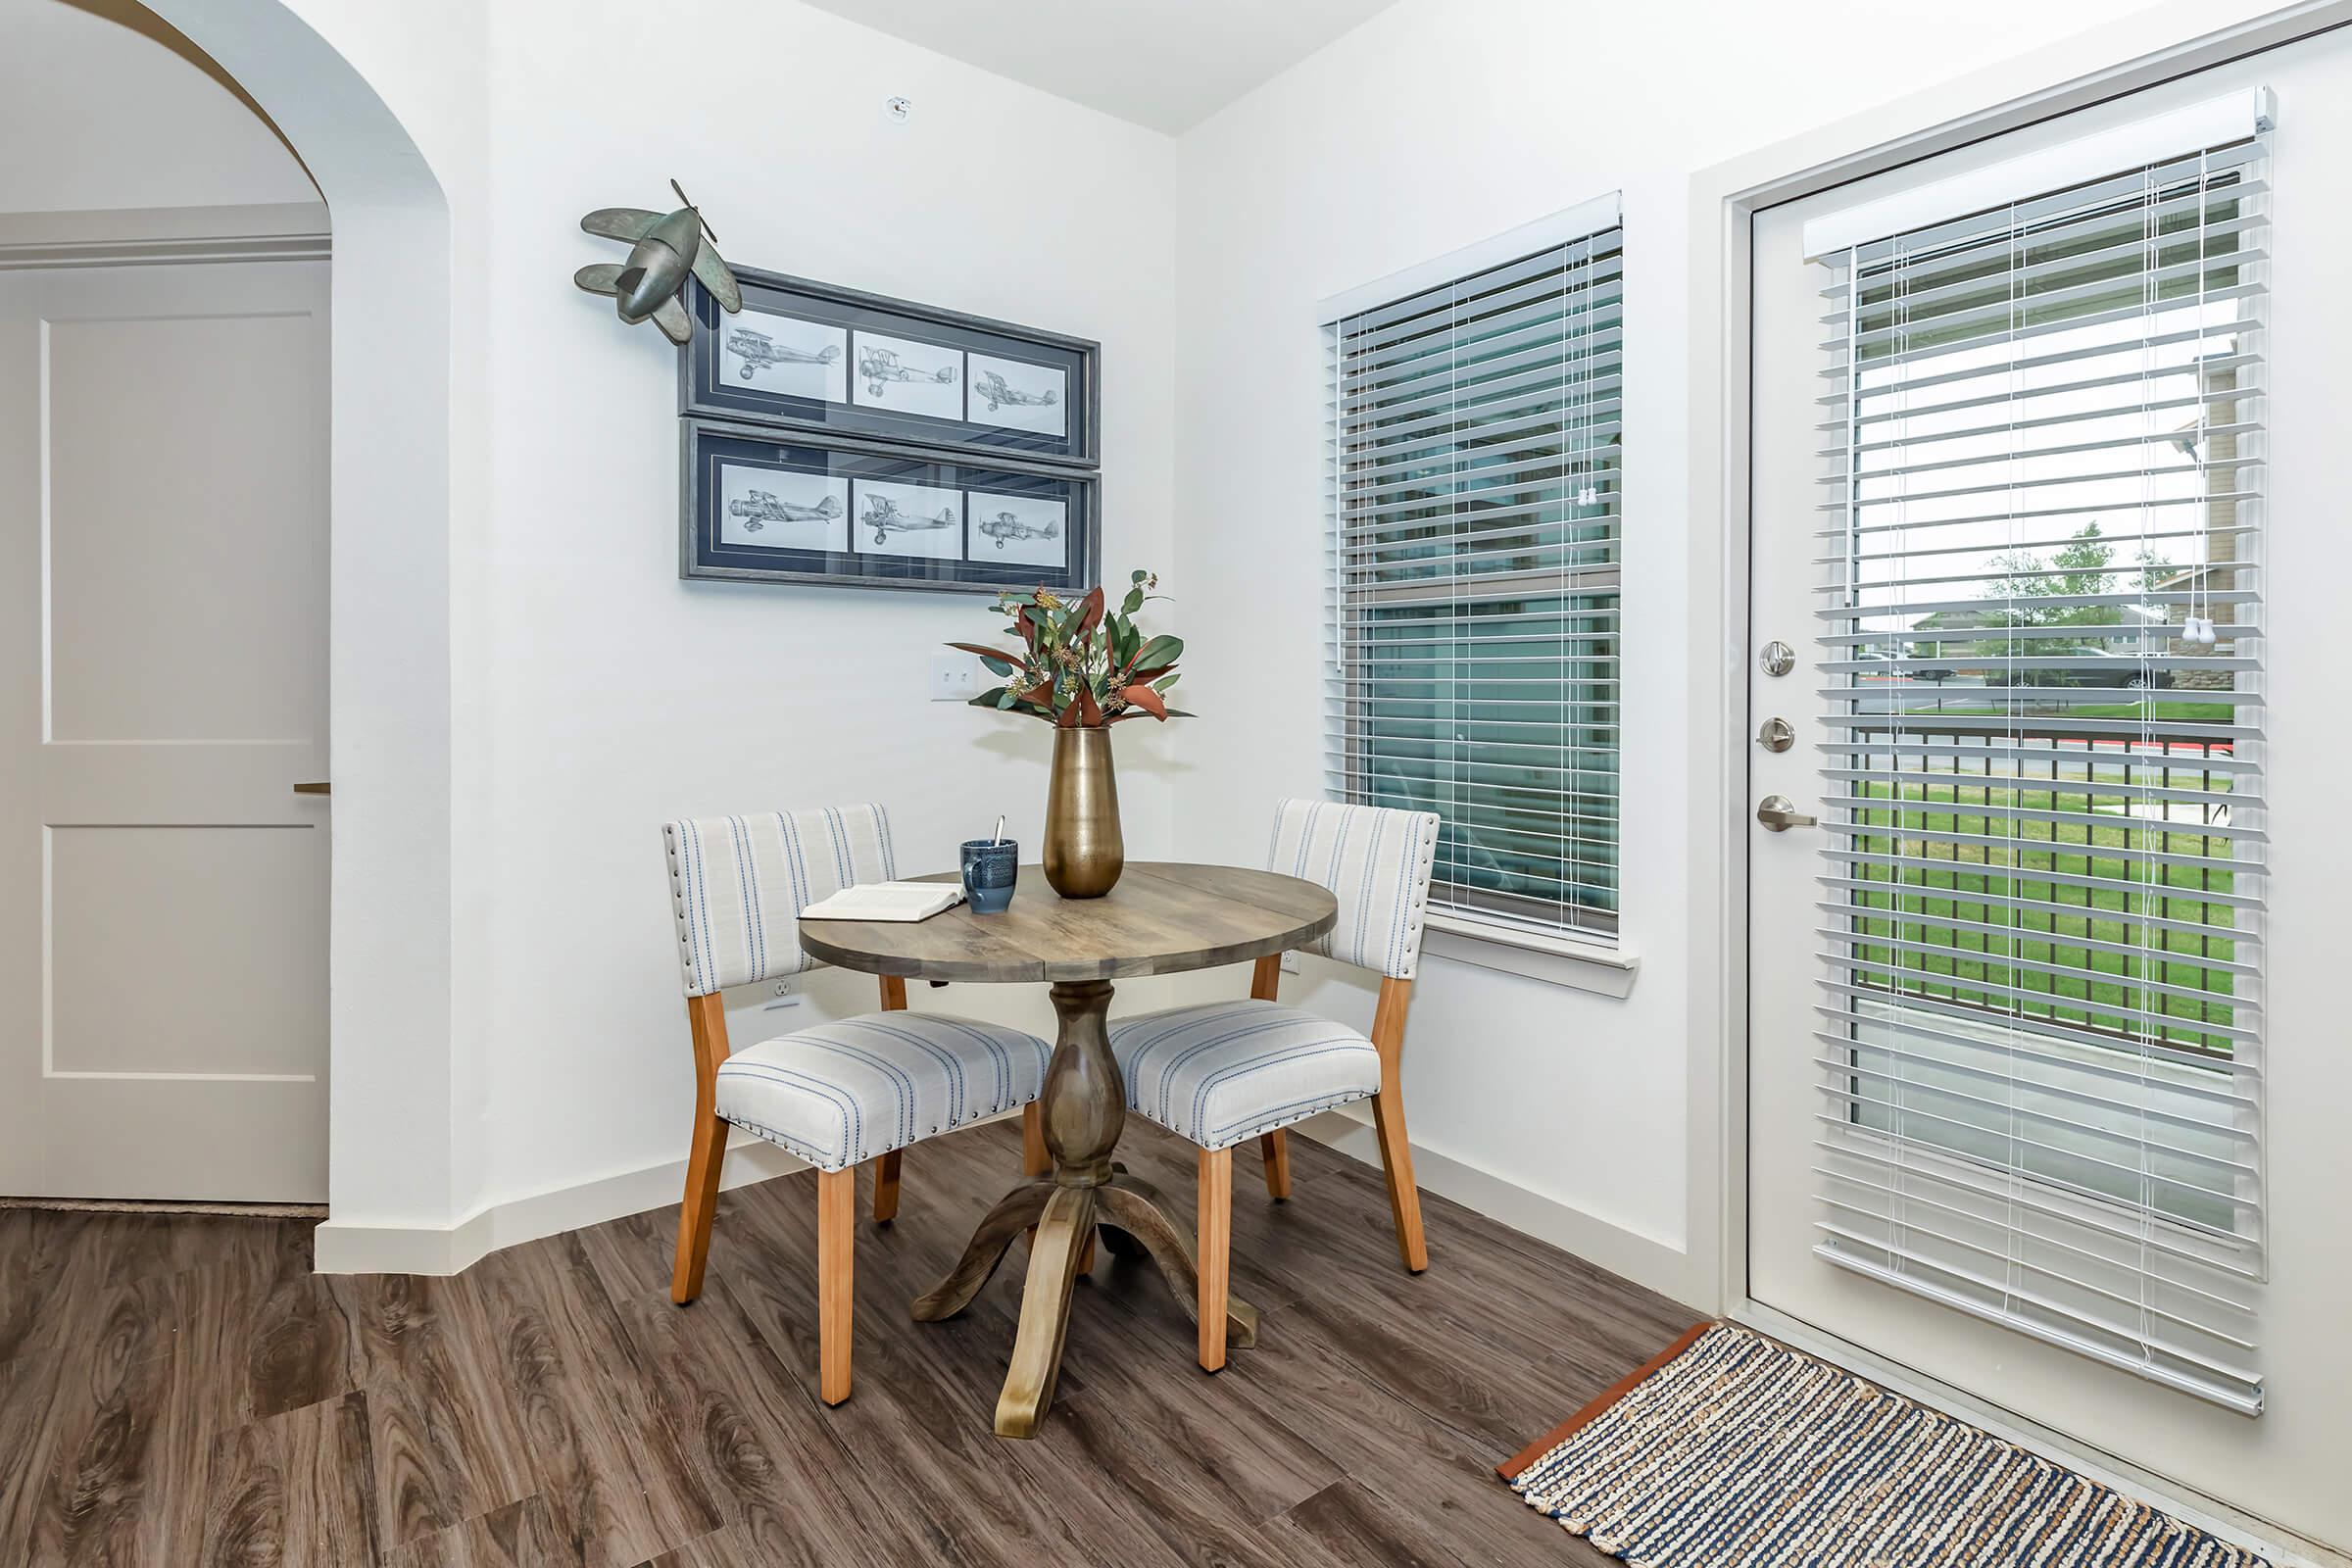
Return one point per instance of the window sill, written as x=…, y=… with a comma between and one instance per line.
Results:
x=1556, y=960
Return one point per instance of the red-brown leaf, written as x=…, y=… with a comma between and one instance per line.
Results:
x=1090, y=712
x=1002, y=655
x=1091, y=615
x=1152, y=674
x=1145, y=698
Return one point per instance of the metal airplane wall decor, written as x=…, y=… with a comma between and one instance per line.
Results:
x=665, y=250
x=1005, y=525
x=760, y=507
x=882, y=515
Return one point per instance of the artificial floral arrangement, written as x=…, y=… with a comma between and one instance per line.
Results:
x=1078, y=667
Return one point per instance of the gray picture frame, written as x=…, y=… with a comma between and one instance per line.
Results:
x=706, y=391
x=705, y=443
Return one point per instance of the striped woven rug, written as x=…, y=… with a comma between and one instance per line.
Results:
x=1728, y=1450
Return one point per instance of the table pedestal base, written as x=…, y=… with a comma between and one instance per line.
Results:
x=1085, y=1106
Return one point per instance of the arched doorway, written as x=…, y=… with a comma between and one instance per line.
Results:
x=389, y=605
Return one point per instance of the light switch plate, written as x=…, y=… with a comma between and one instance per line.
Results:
x=955, y=677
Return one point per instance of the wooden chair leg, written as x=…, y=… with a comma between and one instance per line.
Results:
x=1388, y=1116
x=886, y=1168
x=1214, y=1250
x=1035, y=1160
x=836, y=1230
x=700, y=1210
x=708, y=1023
x=1397, y=1160
x=1265, y=985
x=1276, y=1148
x=1038, y=1160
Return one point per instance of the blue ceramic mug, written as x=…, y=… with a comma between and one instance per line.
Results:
x=990, y=866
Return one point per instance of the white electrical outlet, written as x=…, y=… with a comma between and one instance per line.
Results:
x=955, y=677
x=780, y=995
x=1290, y=964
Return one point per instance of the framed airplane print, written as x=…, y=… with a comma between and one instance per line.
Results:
x=771, y=506
x=812, y=357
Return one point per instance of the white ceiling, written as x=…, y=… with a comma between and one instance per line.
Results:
x=1164, y=63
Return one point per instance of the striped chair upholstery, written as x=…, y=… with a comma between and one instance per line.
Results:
x=1377, y=862
x=738, y=885
x=1225, y=1071
x=839, y=1093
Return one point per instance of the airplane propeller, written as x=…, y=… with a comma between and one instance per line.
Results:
x=685, y=200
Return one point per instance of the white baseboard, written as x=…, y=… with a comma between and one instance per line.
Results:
x=343, y=1247
x=1644, y=1259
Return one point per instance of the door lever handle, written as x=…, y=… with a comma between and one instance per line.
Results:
x=1780, y=813
x=322, y=787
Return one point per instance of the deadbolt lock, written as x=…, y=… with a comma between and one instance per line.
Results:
x=1775, y=735
x=1777, y=659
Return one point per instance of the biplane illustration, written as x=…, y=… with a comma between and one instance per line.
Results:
x=1005, y=525
x=760, y=352
x=876, y=365
x=882, y=515
x=990, y=385
x=760, y=507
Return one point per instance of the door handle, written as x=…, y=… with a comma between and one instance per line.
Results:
x=1780, y=813
x=321, y=788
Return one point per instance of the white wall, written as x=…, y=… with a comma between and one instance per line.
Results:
x=592, y=694
x=103, y=106
x=1436, y=125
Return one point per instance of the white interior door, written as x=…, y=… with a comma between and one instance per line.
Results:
x=163, y=689
x=2045, y=1011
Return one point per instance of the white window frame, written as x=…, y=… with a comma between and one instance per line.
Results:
x=1603, y=967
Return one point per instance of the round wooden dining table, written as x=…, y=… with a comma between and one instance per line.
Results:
x=1161, y=919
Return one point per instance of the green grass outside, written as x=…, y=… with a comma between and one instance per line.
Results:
x=2163, y=709
x=2097, y=989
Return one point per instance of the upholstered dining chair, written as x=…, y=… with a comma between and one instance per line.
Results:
x=837, y=1093
x=1222, y=1072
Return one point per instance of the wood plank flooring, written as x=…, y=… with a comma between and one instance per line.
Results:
x=178, y=1391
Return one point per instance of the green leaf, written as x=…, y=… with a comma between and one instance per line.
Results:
x=1161, y=649
x=999, y=666
x=1133, y=602
x=1162, y=686
x=1138, y=576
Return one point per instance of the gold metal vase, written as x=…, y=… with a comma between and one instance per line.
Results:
x=1084, y=852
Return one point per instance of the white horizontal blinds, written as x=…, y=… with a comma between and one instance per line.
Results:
x=2040, y=1040
x=1474, y=491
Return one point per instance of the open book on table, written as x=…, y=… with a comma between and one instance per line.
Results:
x=887, y=901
